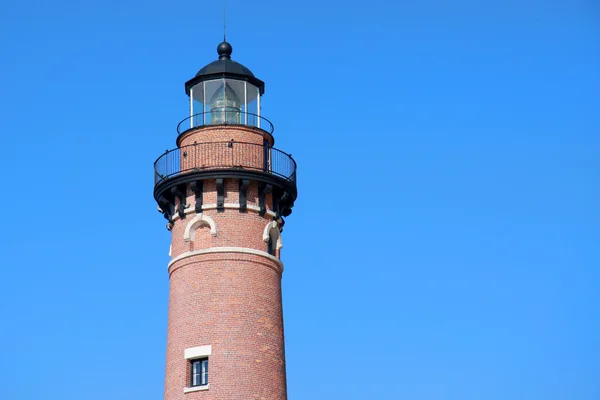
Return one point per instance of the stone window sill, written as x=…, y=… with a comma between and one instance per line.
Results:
x=196, y=388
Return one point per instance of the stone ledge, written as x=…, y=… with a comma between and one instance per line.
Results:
x=216, y=250
x=196, y=388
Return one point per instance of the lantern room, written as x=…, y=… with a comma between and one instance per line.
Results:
x=224, y=92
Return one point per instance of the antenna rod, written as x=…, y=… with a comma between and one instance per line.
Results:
x=224, y=20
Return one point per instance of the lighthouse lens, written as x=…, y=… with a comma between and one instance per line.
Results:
x=225, y=106
x=228, y=101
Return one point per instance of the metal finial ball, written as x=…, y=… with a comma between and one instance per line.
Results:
x=224, y=49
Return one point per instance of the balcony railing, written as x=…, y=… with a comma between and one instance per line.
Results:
x=224, y=155
x=226, y=116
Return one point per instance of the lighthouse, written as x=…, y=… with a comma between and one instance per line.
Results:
x=224, y=191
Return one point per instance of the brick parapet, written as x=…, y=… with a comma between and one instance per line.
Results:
x=223, y=133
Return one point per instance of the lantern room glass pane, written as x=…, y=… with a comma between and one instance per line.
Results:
x=197, y=93
x=252, y=104
x=210, y=90
x=225, y=101
x=197, y=105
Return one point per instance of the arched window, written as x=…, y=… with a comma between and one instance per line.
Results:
x=198, y=221
x=272, y=237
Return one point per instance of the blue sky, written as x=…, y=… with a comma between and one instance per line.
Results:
x=445, y=240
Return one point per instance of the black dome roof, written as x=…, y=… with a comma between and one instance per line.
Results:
x=224, y=67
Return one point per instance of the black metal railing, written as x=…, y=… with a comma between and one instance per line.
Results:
x=225, y=116
x=224, y=155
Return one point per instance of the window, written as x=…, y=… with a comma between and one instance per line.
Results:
x=270, y=248
x=197, y=362
x=199, y=372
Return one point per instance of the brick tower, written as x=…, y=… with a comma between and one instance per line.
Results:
x=224, y=192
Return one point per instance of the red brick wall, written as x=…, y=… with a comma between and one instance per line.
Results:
x=221, y=133
x=222, y=155
x=234, y=229
x=209, y=148
x=231, y=301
